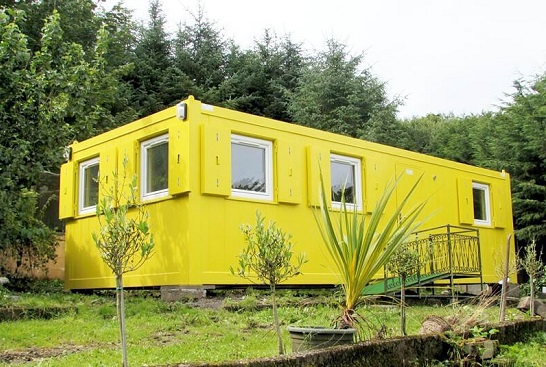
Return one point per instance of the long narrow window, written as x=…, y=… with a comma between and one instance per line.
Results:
x=88, y=186
x=154, y=167
x=346, y=177
x=251, y=168
x=482, y=206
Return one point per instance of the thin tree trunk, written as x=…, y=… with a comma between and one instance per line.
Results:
x=120, y=301
x=532, y=296
x=276, y=319
x=504, y=289
x=403, y=306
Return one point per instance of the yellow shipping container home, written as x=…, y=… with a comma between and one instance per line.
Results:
x=205, y=170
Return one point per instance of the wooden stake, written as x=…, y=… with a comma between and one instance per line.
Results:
x=504, y=290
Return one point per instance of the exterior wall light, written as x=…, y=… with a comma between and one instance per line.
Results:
x=67, y=153
x=181, y=111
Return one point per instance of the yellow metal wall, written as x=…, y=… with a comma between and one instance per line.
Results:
x=197, y=226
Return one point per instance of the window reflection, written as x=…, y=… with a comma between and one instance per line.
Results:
x=154, y=167
x=479, y=204
x=91, y=186
x=248, y=168
x=343, y=177
x=251, y=167
x=158, y=167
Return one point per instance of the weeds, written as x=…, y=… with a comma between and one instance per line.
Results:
x=482, y=332
x=530, y=353
x=182, y=332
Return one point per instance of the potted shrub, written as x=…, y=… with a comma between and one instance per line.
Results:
x=359, y=247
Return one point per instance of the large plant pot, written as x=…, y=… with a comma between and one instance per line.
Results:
x=307, y=338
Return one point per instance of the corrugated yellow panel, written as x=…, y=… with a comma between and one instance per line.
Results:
x=127, y=162
x=318, y=158
x=126, y=151
x=372, y=192
x=108, y=165
x=408, y=176
x=499, y=211
x=215, y=160
x=179, y=155
x=67, y=205
x=289, y=179
x=465, y=199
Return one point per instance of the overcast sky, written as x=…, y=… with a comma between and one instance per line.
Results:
x=442, y=56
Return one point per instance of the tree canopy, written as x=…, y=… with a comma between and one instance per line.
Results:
x=49, y=97
x=335, y=95
x=72, y=69
x=518, y=144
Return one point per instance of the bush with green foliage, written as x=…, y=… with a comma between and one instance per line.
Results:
x=403, y=263
x=268, y=258
x=24, y=238
x=534, y=267
x=52, y=92
x=124, y=240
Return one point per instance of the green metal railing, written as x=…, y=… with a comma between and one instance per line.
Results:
x=444, y=252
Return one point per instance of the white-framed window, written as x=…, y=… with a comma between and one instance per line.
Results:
x=346, y=177
x=88, y=195
x=482, y=204
x=154, y=167
x=251, y=167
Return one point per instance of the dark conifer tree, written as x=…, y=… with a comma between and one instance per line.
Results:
x=337, y=96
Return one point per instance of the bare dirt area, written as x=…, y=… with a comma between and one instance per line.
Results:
x=207, y=302
x=33, y=353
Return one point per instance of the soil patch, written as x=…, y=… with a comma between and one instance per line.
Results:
x=33, y=353
x=213, y=303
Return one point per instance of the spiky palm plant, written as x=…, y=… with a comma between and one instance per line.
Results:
x=359, y=249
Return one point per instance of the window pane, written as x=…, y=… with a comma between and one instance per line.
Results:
x=90, y=186
x=157, y=158
x=480, y=211
x=343, y=175
x=248, y=168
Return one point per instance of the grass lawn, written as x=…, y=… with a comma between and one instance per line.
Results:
x=232, y=325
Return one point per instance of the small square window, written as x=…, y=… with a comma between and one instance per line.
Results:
x=481, y=201
x=154, y=167
x=88, y=186
x=346, y=175
x=251, y=168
